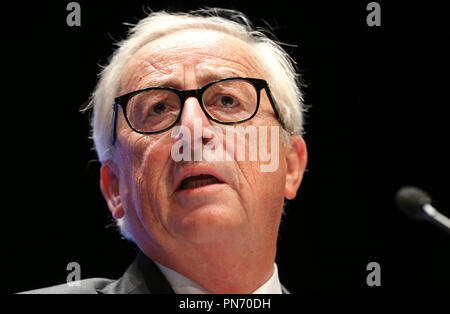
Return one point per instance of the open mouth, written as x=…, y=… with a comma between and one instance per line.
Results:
x=194, y=182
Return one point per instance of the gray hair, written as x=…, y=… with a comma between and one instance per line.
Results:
x=275, y=63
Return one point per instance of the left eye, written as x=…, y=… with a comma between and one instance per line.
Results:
x=227, y=101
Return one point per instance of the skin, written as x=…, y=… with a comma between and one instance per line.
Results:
x=224, y=237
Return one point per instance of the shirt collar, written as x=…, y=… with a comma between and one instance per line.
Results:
x=183, y=285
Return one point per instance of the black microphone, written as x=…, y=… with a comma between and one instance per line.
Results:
x=417, y=204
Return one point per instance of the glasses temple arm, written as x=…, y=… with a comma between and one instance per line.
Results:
x=114, y=122
x=272, y=102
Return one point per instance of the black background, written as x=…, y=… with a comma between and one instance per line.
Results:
x=377, y=120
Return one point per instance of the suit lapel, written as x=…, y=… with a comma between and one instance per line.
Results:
x=141, y=277
x=154, y=279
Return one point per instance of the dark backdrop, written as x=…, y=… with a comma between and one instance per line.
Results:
x=377, y=120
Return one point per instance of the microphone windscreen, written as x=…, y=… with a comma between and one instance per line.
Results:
x=411, y=201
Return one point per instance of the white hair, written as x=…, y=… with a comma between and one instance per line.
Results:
x=275, y=63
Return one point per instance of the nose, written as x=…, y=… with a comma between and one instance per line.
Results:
x=195, y=120
x=192, y=111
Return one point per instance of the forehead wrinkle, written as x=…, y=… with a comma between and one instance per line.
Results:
x=155, y=61
x=132, y=80
x=228, y=63
x=163, y=64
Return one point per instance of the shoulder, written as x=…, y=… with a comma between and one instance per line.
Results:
x=141, y=277
x=86, y=286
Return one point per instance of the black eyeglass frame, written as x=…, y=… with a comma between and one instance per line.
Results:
x=258, y=84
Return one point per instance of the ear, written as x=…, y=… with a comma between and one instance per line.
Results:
x=109, y=184
x=296, y=160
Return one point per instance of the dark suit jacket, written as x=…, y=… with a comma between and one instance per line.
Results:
x=141, y=277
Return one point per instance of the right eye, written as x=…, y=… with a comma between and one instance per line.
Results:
x=158, y=109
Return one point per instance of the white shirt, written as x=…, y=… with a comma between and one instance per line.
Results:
x=183, y=285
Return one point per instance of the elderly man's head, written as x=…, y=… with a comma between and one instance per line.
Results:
x=186, y=211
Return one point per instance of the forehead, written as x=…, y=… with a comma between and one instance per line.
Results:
x=205, y=55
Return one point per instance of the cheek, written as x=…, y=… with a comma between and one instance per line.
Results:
x=270, y=188
x=265, y=189
x=144, y=171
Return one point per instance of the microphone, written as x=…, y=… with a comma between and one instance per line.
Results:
x=416, y=204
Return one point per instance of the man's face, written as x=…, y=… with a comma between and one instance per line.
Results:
x=161, y=214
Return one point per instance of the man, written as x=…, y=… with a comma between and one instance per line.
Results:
x=171, y=95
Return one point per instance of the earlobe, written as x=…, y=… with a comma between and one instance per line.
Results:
x=109, y=185
x=296, y=160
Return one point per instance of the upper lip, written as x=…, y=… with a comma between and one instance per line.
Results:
x=186, y=172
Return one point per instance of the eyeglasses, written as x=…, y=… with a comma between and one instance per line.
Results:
x=157, y=109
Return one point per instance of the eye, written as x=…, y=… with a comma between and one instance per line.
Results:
x=227, y=101
x=159, y=108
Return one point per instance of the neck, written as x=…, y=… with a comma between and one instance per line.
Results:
x=221, y=268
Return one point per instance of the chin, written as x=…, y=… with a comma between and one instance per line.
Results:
x=208, y=224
